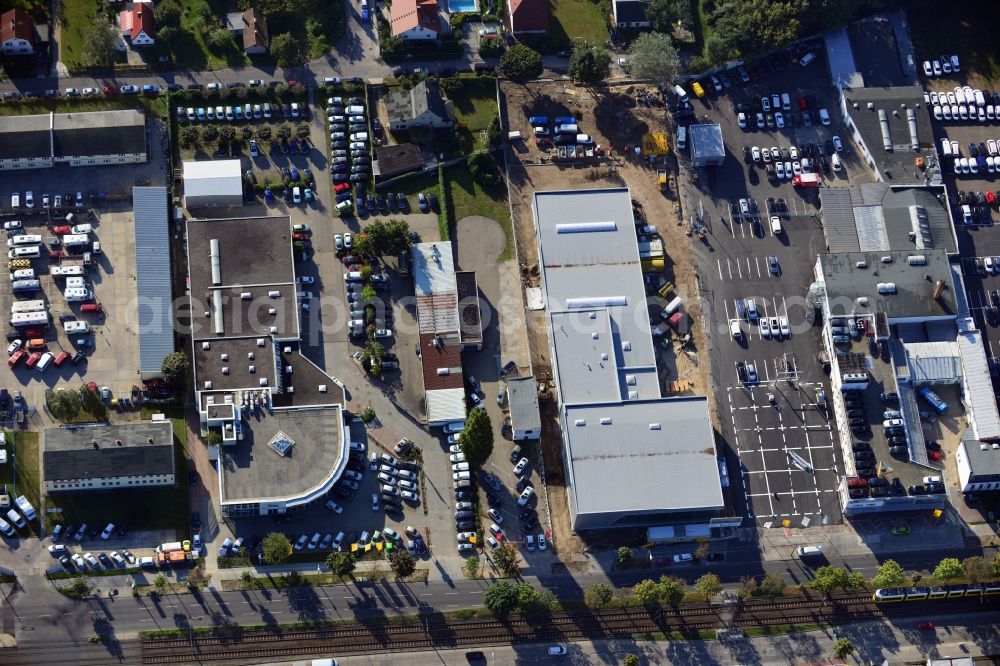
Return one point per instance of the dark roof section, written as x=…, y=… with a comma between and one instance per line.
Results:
x=254, y=29
x=446, y=355
x=305, y=379
x=62, y=135
x=469, y=317
x=265, y=261
x=398, y=158
x=529, y=16
x=522, y=400
x=16, y=24
x=876, y=53
x=897, y=164
x=25, y=144
x=421, y=98
x=631, y=11
x=120, y=450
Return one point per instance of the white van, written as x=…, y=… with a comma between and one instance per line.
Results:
x=76, y=283
x=751, y=309
x=786, y=102
x=28, y=252
x=82, y=228
x=76, y=327
x=734, y=328
x=24, y=239
x=682, y=136
x=681, y=93
x=355, y=110
x=352, y=276
x=776, y=226
x=15, y=200
x=807, y=58
x=835, y=162
x=44, y=361
x=946, y=147
x=77, y=294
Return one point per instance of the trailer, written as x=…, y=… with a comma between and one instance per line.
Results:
x=68, y=271
x=29, y=319
x=76, y=240
x=170, y=546
x=24, y=506
x=27, y=306
x=176, y=558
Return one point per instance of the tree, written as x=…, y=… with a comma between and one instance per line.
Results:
x=402, y=563
x=284, y=132
x=773, y=584
x=368, y=292
x=189, y=135
x=100, y=40
x=855, y=581
x=996, y=565
x=248, y=579
x=227, y=133
x=654, y=58
x=842, y=647
x=647, y=592
x=264, y=133
x=276, y=548
x=63, y=404
x=160, y=581
x=210, y=133
x=717, y=51
x=302, y=130
x=472, y=566
x=598, y=595
x=889, y=574
x=662, y=14
x=500, y=597
x=90, y=402
x=397, y=236
x=708, y=585
x=748, y=586
x=286, y=51
x=341, y=564
x=624, y=556
x=483, y=167
x=506, y=557
x=977, y=569
x=167, y=13
x=631, y=659
x=220, y=39
x=521, y=64
x=477, y=438
x=494, y=133
x=949, y=568
x=167, y=34
x=755, y=26
x=246, y=132
x=80, y=587
x=828, y=578
x=701, y=552
x=373, y=351
x=590, y=63
x=671, y=590
x=490, y=48
x=528, y=598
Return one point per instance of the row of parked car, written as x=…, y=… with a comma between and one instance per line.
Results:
x=265, y=111
x=562, y=131
x=946, y=64
x=350, y=157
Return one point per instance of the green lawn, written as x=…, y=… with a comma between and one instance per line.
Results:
x=958, y=27
x=149, y=509
x=572, y=19
x=21, y=477
x=77, y=15
x=475, y=106
x=471, y=198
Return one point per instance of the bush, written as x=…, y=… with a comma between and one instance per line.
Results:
x=521, y=63
x=483, y=167
x=490, y=47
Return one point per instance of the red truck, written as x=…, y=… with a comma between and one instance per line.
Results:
x=806, y=180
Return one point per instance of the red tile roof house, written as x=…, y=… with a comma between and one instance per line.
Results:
x=17, y=34
x=138, y=24
x=414, y=20
x=527, y=17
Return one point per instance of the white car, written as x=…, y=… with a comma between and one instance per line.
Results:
x=755, y=153
x=765, y=103
x=796, y=168
x=752, y=373
x=793, y=153
x=348, y=240
x=824, y=116
x=455, y=448
x=314, y=541
x=779, y=170
x=928, y=71
x=783, y=324
x=682, y=557
x=376, y=505
x=301, y=543
x=333, y=506
x=892, y=423
x=460, y=467
x=458, y=457
x=521, y=465
x=936, y=67
x=741, y=120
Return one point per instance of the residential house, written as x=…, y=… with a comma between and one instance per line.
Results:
x=138, y=25
x=17, y=34
x=630, y=13
x=415, y=20
x=249, y=28
x=420, y=106
x=527, y=17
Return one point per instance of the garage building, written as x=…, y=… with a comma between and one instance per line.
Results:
x=707, y=147
x=213, y=183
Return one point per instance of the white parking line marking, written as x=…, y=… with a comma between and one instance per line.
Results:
x=719, y=262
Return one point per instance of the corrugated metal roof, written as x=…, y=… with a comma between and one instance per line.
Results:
x=444, y=405
x=934, y=361
x=872, y=236
x=838, y=220
x=438, y=313
x=152, y=272
x=979, y=386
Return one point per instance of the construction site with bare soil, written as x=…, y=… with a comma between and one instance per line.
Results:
x=630, y=129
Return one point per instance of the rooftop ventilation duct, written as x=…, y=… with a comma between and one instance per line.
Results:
x=216, y=259
x=218, y=321
x=911, y=119
x=883, y=121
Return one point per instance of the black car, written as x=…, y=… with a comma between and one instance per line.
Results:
x=402, y=203
x=857, y=422
x=932, y=445
x=863, y=455
x=383, y=204
x=105, y=560
x=338, y=145
x=492, y=500
x=433, y=200
x=865, y=472
x=356, y=101
x=343, y=492
x=523, y=483
x=897, y=441
x=855, y=413
x=13, y=335
x=393, y=203
x=853, y=404
x=917, y=490
x=743, y=107
x=877, y=481
x=747, y=157
x=861, y=446
x=935, y=488
x=370, y=201
x=898, y=450
x=782, y=206
x=464, y=525
x=530, y=524
x=356, y=80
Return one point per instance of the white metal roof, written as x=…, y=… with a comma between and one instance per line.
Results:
x=433, y=269
x=933, y=361
x=445, y=405
x=152, y=275
x=213, y=178
x=985, y=419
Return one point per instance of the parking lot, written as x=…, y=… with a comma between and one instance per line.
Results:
x=735, y=262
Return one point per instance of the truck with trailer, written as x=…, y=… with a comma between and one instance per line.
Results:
x=176, y=558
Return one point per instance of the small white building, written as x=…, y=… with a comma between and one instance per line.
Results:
x=522, y=399
x=213, y=183
x=978, y=465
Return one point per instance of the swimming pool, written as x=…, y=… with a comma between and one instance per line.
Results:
x=455, y=6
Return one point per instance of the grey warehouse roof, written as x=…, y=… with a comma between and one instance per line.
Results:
x=522, y=400
x=73, y=134
x=120, y=450
x=981, y=461
x=152, y=265
x=914, y=284
x=897, y=163
x=877, y=216
x=706, y=141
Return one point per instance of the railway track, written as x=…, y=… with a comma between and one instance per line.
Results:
x=435, y=631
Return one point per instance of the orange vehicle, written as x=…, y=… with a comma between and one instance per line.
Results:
x=33, y=359
x=61, y=358
x=16, y=357
x=36, y=344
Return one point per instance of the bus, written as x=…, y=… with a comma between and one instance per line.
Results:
x=934, y=400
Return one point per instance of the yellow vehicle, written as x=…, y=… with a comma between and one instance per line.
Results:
x=699, y=92
x=664, y=180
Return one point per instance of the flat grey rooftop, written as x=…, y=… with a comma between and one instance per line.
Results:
x=253, y=251
x=625, y=465
x=135, y=449
x=252, y=471
x=233, y=371
x=913, y=300
x=897, y=163
x=522, y=401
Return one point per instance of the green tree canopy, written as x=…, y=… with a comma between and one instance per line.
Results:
x=483, y=167
x=341, y=564
x=949, y=568
x=167, y=13
x=631, y=659
x=754, y=26
x=590, y=63
x=276, y=548
x=472, y=566
x=286, y=51
x=671, y=590
x=708, y=585
x=828, y=578
x=773, y=584
x=662, y=14
x=624, y=555
x=889, y=574
x=402, y=563
x=500, y=597
x=477, y=438
x=264, y=133
x=90, y=402
x=507, y=560
x=598, y=595
x=63, y=404
x=521, y=63
x=647, y=592
x=843, y=647
x=528, y=598
x=220, y=39
x=654, y=58
x=100, y=40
